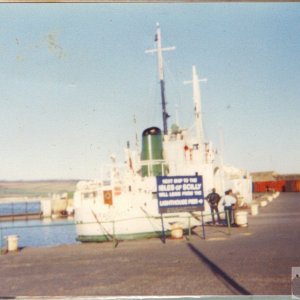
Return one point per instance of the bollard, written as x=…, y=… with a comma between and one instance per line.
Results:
x=254, y=209
x=241, y=218
x=263, y=203
x=176, y=230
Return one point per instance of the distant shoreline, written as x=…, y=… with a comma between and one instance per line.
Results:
x=36, y=188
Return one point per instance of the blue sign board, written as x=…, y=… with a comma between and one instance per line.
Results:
x=180, y=193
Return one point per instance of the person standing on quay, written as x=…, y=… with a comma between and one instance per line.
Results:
x=229, y=201
x=213, y=200
x=296, y=286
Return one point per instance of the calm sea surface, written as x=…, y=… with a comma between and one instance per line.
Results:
x=19, y=208
x=35, y=233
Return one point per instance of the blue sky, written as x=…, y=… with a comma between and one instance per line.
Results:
x=73, y=76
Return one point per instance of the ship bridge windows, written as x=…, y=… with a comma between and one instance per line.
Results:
x=89, y=195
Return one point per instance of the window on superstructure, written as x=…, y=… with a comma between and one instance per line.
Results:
x=89, y=195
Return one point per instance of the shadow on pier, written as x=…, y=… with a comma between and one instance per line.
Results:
x=229, y=282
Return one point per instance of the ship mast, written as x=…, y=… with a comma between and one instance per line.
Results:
x=159, y=51
x=197, y=104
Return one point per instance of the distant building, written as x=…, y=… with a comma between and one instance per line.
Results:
x=272, y=181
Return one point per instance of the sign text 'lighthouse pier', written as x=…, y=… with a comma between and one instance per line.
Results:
x=180, y=193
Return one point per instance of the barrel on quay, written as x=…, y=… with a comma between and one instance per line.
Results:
x=12, y=243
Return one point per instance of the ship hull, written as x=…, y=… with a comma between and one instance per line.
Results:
x=93, y=226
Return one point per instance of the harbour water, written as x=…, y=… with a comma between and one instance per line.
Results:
x=39, y=233
x=35, y=233
x=19, y=208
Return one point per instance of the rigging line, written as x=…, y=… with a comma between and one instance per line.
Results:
x=149, y=218
x=111, y=237
x=176, y=83
x=152, y=103
x=176, y=73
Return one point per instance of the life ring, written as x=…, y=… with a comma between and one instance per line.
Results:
x=108, y=199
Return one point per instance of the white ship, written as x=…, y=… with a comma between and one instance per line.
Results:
x=125, y=205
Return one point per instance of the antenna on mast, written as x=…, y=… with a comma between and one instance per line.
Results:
x=159, y=51
x=136, y=135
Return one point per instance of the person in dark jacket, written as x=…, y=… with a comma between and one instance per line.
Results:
x=213, y=200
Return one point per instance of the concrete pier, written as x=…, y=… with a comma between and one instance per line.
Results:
x=254, y=260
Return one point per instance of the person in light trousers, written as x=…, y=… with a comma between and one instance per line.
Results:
x=229, y=202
